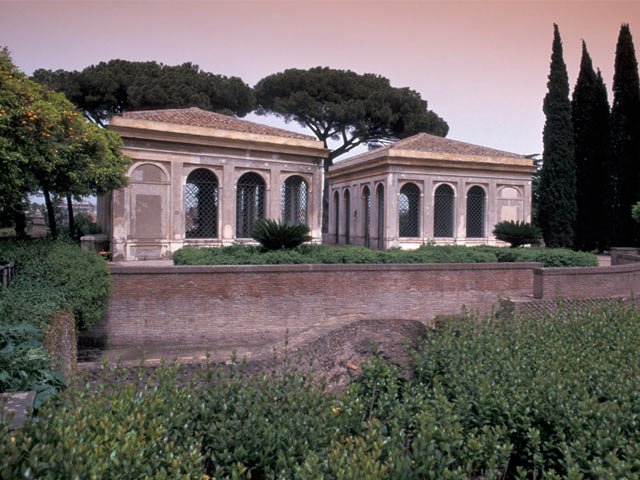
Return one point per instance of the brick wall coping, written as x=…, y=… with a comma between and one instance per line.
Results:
x=335, y=267
x=633, y=267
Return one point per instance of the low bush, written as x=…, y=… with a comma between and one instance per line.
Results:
x=326, y=254
x=553, y=397
x=51, y=277
x=517, y=233
x=279, y=235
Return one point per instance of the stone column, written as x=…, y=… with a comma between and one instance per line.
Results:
x=427, y=210
x=460, y=216
x=176, y=206
x=391, y=212
x=274, y=194
x=227, y=195
x=492, y=209
x=120, y=221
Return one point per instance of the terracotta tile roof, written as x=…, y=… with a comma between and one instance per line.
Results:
x=423, y=142
x=203, y=118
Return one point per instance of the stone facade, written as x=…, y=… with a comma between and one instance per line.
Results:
x=200, y=178
x=427, y=189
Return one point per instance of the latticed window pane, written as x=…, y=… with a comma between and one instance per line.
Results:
x=408, y=210
x=336, y=205
x=443, y=212
x=475, y=212
x=380, y=195
x=294, y=200
x=347, y=217
x=201, y=205
x=249, y=203
x=366, y=199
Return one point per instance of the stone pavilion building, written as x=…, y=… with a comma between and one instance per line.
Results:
x=427, y=189
x=201, y=178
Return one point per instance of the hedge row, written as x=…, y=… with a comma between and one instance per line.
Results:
x=551, y=398
x=248, y=255
x=51, y=277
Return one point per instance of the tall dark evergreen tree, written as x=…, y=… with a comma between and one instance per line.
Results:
x=590, y=116
x=602, y=117
x=557, y=196
x=625, y=137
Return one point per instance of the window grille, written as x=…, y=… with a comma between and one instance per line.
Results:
x=366, y=200
x=443, y=212
x=475, y=212
x=408, y=210
x=201, y=205
x=380, y=195
x=249, y=203
x=347, y=217
x=294, y=200
x=336, y=203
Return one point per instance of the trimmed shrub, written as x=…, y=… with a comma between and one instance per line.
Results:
x=278, y=235
x=326, y=254
x=517, y=233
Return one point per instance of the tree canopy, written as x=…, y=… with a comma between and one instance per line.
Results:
x=47, y=145
x=119, y=85
x=346, y=106
x=625, y=137
x=590, y=117
x=351, y=108
x=557, y=194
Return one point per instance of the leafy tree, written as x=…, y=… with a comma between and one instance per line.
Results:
x=557, y=195
x=119, y=85
x=517, y=233
x=46, y=145
x=590, y=117
x=625, y=134
x=345, y=106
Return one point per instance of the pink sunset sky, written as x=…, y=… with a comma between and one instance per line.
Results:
x=481, y=65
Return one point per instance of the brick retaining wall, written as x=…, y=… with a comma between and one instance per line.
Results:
x=587, y=282
x=256, y=304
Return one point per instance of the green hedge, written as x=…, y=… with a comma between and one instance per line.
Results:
x=312, y=254
x=50, y=277
x=537, y=398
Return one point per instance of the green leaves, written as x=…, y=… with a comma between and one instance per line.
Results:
x=326, y=254
x=279, y=235
x=517, y=233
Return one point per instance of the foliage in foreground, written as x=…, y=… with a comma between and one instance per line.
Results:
x=517, y=233
x=277, y=235
x=51, y=277
x=325, y=254
x=555, y=397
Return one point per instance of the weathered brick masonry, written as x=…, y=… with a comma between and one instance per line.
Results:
x=251, y=304
x=587, y=282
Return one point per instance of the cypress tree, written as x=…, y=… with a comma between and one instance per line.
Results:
x=625, y=137
x=557, y=208
x=590, y=118
x=602, y=135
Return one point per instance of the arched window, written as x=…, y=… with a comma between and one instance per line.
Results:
x=336, y=206
x=380, y=195
x=409, y=210
x=249, y=203
x=201, y=205
x=347, y=217
x=294, y=200
x=475, y=212
x=366, y=207
x=443, y=211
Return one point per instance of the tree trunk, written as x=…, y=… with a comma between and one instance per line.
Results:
x=51, y=215
x=72, y=223
x=20, y=221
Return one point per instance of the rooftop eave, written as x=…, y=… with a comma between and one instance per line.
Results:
x=433, y=159
x=154, y=130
